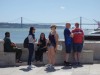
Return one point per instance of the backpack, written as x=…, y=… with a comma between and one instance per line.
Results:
x=26, y=42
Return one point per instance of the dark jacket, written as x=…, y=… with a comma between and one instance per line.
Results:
x=7, y=45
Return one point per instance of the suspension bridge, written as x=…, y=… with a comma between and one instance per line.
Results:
x=82, y=20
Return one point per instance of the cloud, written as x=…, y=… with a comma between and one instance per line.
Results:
x=62, y=7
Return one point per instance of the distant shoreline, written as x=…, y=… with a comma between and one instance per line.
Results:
x=18, y=25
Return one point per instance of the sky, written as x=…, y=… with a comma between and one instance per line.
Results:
x=48, y=11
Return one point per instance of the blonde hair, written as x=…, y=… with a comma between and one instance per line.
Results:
x=53, y=26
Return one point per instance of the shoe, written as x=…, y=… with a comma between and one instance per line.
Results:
x=79, y=64
x=52, y=67
x=64, y=62
x=29, y=67
x=18, y=61
x=49, y=66
x=67, y=63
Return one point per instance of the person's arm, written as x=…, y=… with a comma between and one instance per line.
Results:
x=46, y=44
x=66, y=34
x=56, y=37
x=83, y=35
x=34, y=38
x=39, y=42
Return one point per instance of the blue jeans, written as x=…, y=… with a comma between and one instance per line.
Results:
x=31, y=50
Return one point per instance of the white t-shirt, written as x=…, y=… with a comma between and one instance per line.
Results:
x=31, y=39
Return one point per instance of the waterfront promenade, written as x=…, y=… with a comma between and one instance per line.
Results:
x=87, y=69
x=90, y=55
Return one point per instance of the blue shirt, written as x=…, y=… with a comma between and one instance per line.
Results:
x=68, y=39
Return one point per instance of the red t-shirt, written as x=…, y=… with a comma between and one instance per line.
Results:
x=78, y=35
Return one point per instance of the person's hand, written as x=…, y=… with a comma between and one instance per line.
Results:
x=13, y=44
x=35, y=40
x=72, y=35
x=56, y=49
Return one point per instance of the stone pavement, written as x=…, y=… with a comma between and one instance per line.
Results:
x=87, y=69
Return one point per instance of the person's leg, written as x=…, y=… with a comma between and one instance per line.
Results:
x=80, y=46
x=36, y=56
x=68, y=51
x=41, y=55
x=75, y=57
x=53, y=55
x=19, y=53
x=49, y=55
x=31, y=50
x=67, y=57
x=78, y=56
x=75, y=47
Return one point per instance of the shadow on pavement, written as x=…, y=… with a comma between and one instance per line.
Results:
x=51, y=69
x=67, y=67
x=26, y=69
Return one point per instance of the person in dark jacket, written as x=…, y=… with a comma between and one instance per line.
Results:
x=42, y=47
x=11, y=47
x=68, y=43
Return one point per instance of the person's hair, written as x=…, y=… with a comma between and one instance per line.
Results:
x=7, y=34
x=31, y=29
x=53, y=26
x=68, y=24
x=41, y=36
x=77, y=24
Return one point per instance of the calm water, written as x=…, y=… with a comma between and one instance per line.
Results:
x=19, y=34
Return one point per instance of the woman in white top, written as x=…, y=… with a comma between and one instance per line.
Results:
x=31, y=38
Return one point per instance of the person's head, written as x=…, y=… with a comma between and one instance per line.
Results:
x=7, y=34
x=77, y=25
x=53, y=27
x=42, y=36
x=32, y=30
x=68, y=25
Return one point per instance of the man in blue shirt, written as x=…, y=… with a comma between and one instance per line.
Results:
x=68, y=43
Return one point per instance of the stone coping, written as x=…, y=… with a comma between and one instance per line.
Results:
x=86, y=41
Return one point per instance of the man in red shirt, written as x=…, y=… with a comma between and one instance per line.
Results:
x=77, y=42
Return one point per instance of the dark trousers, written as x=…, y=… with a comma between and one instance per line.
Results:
x=39, y=55
x=18, y=52
x=31, y=50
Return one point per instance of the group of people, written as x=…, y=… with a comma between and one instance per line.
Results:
x=73, y=41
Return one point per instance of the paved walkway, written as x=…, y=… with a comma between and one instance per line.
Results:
x=93, y=69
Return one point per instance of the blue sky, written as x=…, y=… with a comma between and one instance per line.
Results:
x=48, y=10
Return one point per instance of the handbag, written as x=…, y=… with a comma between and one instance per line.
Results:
x=59, y=47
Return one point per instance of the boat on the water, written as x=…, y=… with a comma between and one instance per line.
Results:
x=94, y=35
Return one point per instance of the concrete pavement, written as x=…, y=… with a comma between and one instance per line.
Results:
x=87, y=69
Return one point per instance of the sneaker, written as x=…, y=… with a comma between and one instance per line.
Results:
x=79, y=64
x=52, y=67
x=47, y=65
x=67, y=63
x=18, y=61
x=29, y=67
x=64, y=62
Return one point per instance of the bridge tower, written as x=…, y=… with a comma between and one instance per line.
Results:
x=80, y=22
x=21, y=22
